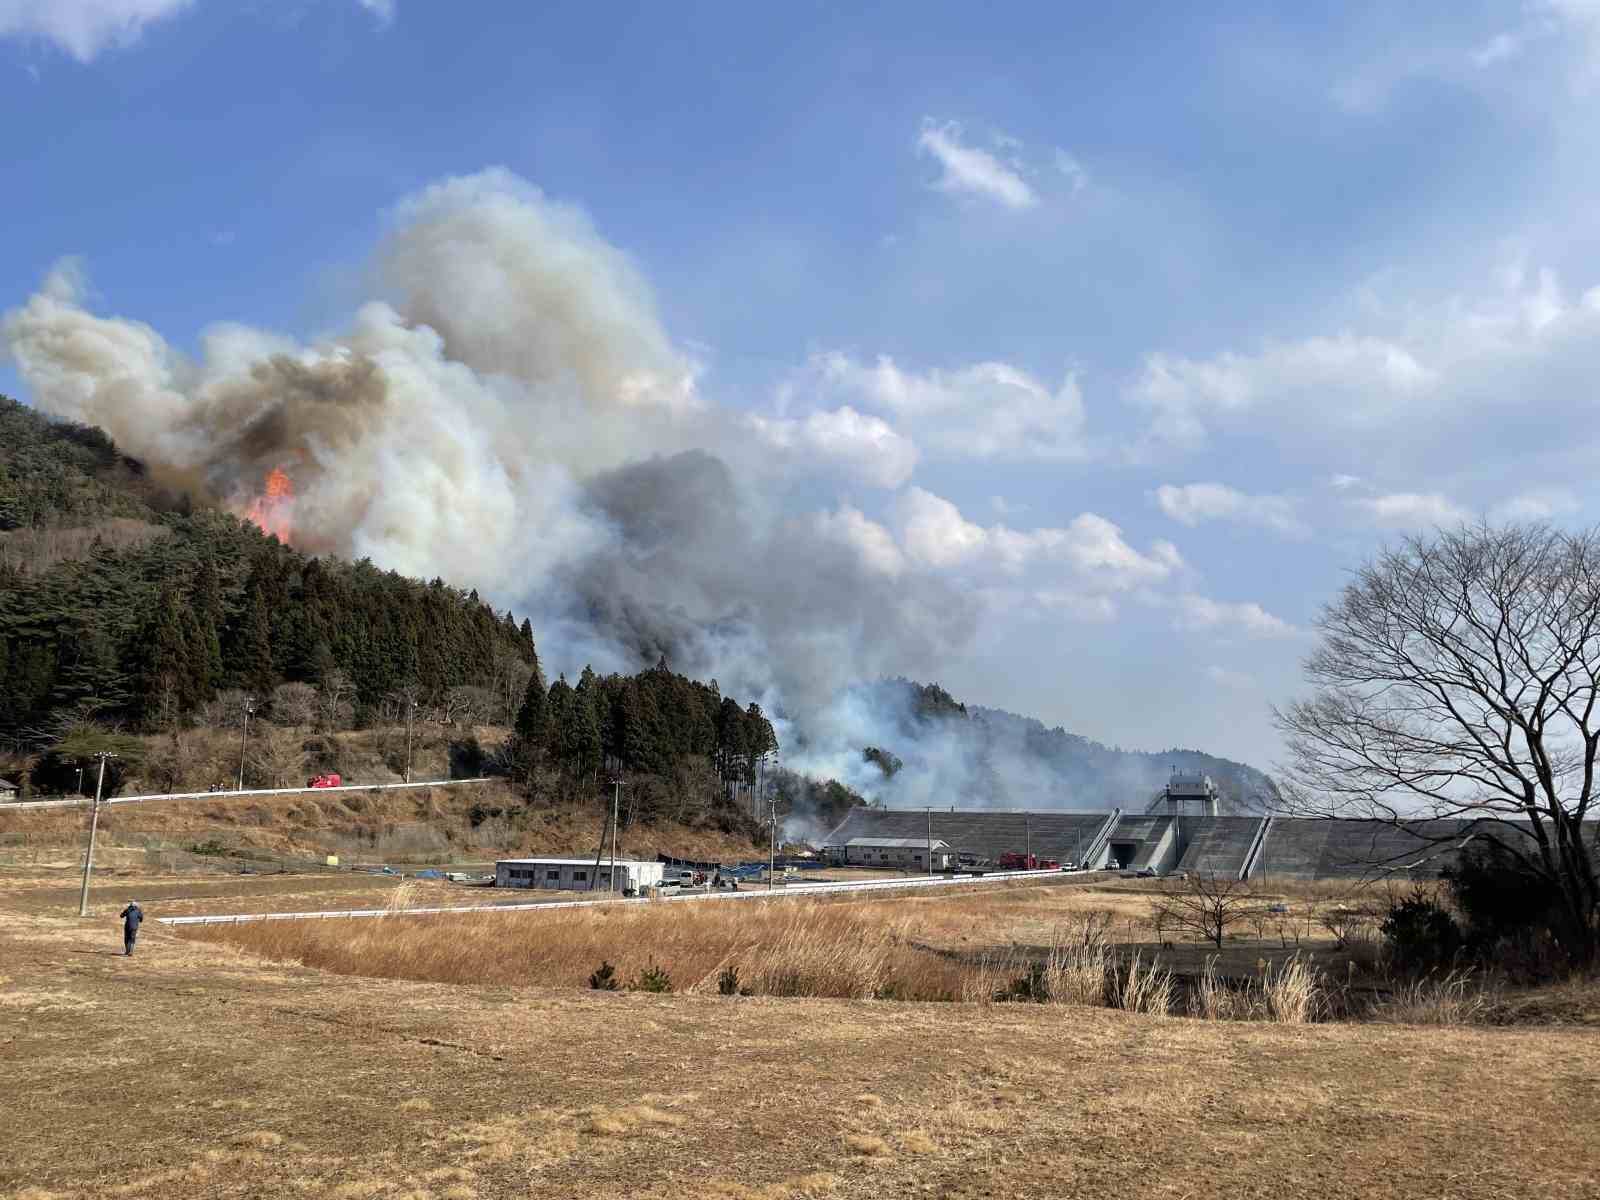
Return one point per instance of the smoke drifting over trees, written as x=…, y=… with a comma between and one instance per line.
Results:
x=509, y=413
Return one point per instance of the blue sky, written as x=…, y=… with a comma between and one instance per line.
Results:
x=1137, y=325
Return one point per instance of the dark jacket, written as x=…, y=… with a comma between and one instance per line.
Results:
x=131, y=916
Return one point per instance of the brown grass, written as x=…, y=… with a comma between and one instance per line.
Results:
x=785, y=948
x=528, y=1083
x=1052, y=944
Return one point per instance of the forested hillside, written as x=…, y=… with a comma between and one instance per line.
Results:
x=127, y=606
x=132, y=604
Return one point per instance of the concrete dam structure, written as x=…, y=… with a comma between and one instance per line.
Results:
x=1180, y=831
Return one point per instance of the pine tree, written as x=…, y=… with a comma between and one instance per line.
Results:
x=165, y=667
x=557, y=728
x=248, y=660
x=532, y=726
x=583, y=726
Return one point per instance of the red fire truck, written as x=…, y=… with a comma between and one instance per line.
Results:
x=1026, y=862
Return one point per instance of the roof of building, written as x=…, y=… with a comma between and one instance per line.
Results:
x=896, y=843
x=571, y=862
x=7, y=786
x=988, y=832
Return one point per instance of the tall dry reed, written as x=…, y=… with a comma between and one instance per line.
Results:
x=1457, y=998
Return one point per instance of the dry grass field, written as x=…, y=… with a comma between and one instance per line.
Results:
x=201, y=1069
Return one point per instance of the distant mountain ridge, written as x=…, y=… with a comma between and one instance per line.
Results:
x=1100, y=776
x=927, y=749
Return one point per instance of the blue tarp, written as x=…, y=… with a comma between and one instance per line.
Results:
x=430, y=874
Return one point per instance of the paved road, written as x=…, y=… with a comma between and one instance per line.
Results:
x=749, y=893
x=77, y=801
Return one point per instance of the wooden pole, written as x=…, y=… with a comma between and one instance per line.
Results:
x=94, y=825
x=616, y=796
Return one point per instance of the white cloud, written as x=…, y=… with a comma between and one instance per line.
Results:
x=1342, y=482
x=1498, y=48
x=935, y=533
x=1413, y=509
x=1235, y=681
x=988, y=410
x=1090, y=550
x=1195, y=503
x=1432, y=372
x=1347, y=379
x=1201, y=614
x=866, y=447
x=83, y=28
x=382, y=9
x=1072, y=169
x=1539, y=505
x=872, y=542
x=1077, y=606
x=973, y=171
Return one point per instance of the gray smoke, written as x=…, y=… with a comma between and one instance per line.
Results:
x=509, y=413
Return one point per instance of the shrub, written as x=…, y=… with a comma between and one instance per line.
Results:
x=211, y=848
x=1502, y=899
x=604, y=979
x=728, y=982
x=652, y=979
x=1031, y=987
x=1420, y=934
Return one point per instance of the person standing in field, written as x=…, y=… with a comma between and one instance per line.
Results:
x=131, y=917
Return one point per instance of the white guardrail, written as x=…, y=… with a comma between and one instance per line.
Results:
x=230, y=794
x=795, y=889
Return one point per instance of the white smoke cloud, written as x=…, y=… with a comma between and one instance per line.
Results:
x=511, y=414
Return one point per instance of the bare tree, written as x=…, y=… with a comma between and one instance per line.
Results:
x=335, y=699
x=1458, y=677
x=508, y=682
x=224, y=710
x=1206, y=906
x=466, y=705
x=278, y=758
x=294, y=705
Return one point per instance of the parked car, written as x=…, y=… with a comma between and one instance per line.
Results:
x=327, y=779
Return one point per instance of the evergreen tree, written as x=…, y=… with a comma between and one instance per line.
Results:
x=248, y=659
x=165, y=668
x=557, y=728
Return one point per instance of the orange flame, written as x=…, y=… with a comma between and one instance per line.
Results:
x=271, y=511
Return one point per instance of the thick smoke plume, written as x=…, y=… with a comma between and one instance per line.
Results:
x=509, y=413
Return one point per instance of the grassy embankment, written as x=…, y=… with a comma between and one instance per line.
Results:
x=438, y=825
x=1048, y=944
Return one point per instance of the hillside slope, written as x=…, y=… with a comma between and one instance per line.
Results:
x=1101, y=776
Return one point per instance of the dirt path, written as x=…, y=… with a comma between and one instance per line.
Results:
x=190, y=1070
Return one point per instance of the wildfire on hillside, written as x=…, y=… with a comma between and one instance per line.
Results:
x=272, y=511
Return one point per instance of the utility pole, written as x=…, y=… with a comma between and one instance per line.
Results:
x=1027, y=835
x=772, y=845
x=616, y=801
x=411, y=712
x=80, y=777
x=244, y=737
x=94, y=825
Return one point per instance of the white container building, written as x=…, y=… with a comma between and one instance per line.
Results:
x=909, y=852
x=576, y=874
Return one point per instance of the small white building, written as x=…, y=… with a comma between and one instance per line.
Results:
x=893, y=852
x=576, y=874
